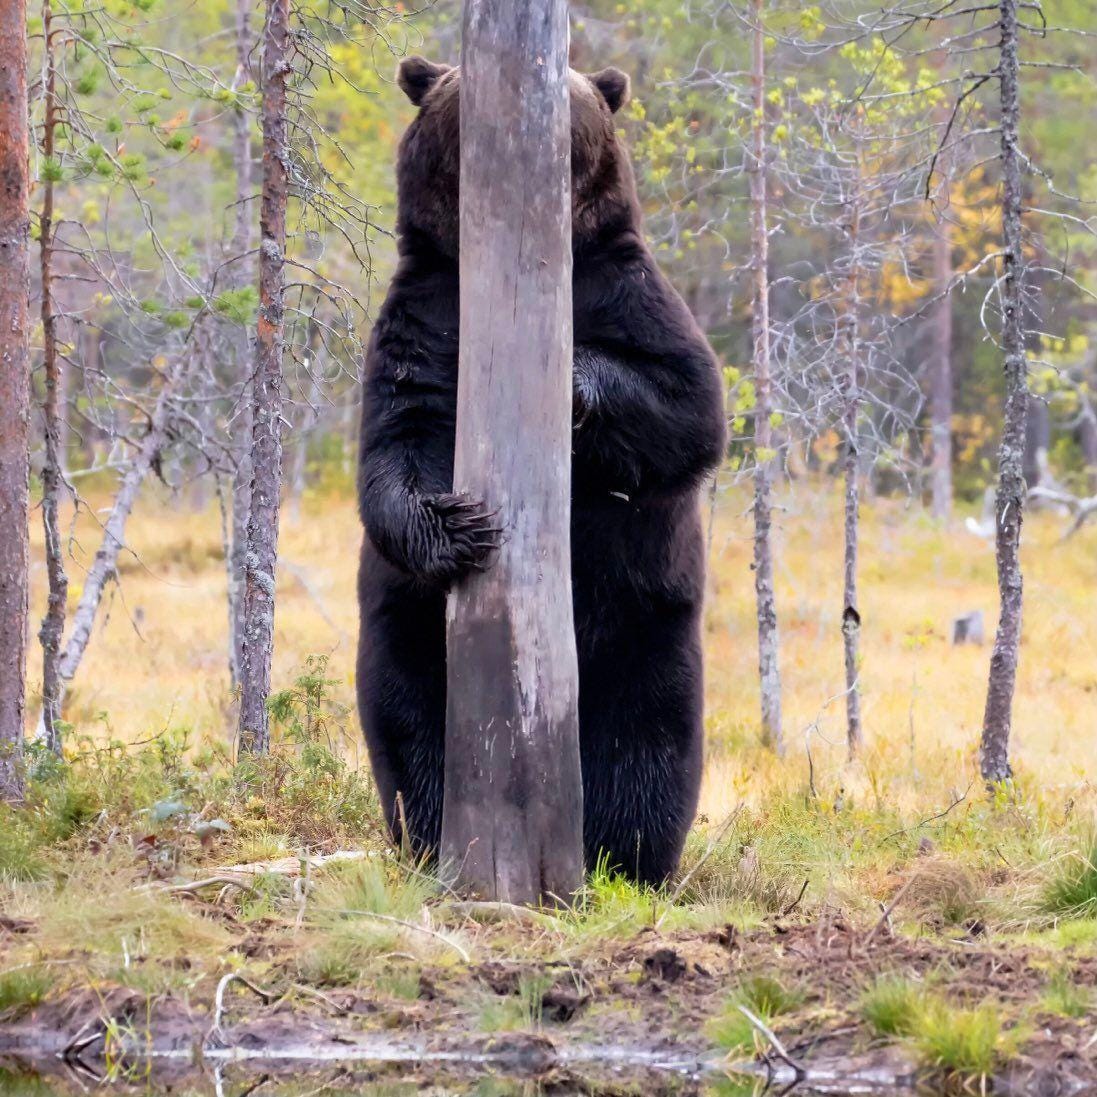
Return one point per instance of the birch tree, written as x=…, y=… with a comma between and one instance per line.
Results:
x=994, y=761
x=512, y=811
x=261, y=552
x=769, y=674
x=14, y=391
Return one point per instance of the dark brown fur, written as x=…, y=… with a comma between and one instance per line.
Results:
x=649, y=426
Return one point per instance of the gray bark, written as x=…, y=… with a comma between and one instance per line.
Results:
x=998, y=716
x=941, y=383
x=53, y=623
x=512, y=811
x=851, y=384
x=769, y=674
x=266, y=438
x=239, y=272
x=14, y=391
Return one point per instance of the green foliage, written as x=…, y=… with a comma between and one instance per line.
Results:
x=238, y=306
x=22, y=988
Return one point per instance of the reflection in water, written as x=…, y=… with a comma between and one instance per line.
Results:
x=197, y=1083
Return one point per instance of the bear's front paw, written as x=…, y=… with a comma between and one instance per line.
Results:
x=460, y=536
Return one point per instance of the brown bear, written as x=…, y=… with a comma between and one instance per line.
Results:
x=648, y=428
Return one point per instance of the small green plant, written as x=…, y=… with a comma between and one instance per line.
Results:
x=1066, y=997
x=969, y=1043
x=893, y=1005
x=22, y=988
x=766, y=998
x=1073, y=891
x=521, y=1011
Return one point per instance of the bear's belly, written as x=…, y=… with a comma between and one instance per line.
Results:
x=635, y=559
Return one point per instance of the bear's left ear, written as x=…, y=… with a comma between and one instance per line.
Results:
x=613, y=84
x=416, y=76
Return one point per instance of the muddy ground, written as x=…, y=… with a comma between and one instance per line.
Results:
x=631, y=1020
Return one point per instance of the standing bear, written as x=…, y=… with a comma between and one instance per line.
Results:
x=648, y=428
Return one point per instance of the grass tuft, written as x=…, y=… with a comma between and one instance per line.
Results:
x=22, y=988
x=893, y=1005
x=765, y=997
x=1073, y=892
x=968, y=1043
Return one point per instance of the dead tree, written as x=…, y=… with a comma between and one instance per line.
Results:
x=850, y=382
x=769, y=674
x=261, y=554
x=940, y=395
x=14, y=391
x=238, y=272
x=512, y=812
x=1009, y=506
x=53, y=623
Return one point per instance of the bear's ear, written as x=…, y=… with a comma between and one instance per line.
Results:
x=416, y=76
x=613, y=84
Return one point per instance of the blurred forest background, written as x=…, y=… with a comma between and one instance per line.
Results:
x=884, y=234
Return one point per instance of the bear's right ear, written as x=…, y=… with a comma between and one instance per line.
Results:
x=416, y=76
x=614, y=86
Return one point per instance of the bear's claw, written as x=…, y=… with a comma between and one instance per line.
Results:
x=460, y=537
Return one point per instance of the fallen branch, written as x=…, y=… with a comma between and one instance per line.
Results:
x=778, y=1047
x=267, y=997
x=243, y=876
x=889, y=909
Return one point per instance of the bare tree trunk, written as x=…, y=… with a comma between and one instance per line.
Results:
x=769, y=673
x=105, y=565
x=266, y=439
x=240, y=267
x=53, y=623
x=14, y=391
x=512, y=812
x=851, y=616
x=941, y=385
x=998, y=716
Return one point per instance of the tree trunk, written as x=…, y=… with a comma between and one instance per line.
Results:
x=769, y=674
x=266, y=439
x=239, y=268
x=851, y=383
x=53, y=623
x=998, y=716
x=105, y=565
x=14, y=391
x=941, y=384
x=512, y=812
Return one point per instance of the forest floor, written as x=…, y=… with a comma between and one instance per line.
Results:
x=876, y=922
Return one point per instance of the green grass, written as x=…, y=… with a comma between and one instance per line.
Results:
x=893, y=1005
x=1065, y=997
x=968, y=1043
x=767, y=998
x=518, y=1012
x=22, y=988
x=1072, y=893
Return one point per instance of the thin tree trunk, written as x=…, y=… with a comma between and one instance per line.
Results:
x=998, y=716
x=769, y=674
x=53, y=623
x=14, y=391
x=239, y=272
x=105, y=565
x=941, y=385
x=851, y=616
x=512, y=812
x=266, y=439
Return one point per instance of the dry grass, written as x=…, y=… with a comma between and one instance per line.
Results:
x=158, y=660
